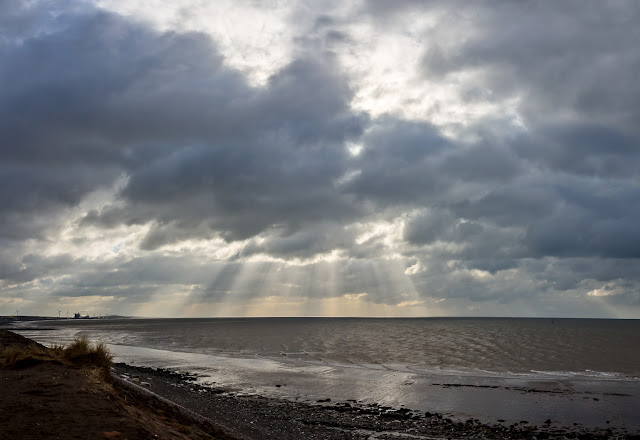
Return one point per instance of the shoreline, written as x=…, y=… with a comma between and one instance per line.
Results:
x=251, y=416
x=255, y=417
x=570, y=404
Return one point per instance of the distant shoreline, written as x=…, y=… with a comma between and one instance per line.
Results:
x=21, y=318
x=8, y=322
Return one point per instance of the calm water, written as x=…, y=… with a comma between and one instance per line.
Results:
x=562, y=347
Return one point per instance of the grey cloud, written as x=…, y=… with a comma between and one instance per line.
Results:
x=397, y=164
x=30, y=267
x=168, y=233
x=630, y=297
x=153, y=271
x=429, y=227
x=592, y=219
x=203, y=150
x=275, y=168
x=569, y=55
x=130, y=280
x=542, y=207
x=482, y=162
x=573, y=233
x=322, y=238
x=64, y=119
x=384, y=10
x=518, y=204
x=479, y=245
x=492, y=265
x=583, y=149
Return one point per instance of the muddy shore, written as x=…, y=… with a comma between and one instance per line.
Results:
x=257, y=417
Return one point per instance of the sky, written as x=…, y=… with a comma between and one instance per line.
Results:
x=192, y=158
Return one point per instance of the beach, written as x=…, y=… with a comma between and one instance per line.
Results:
x=259, y=417
x=57, y=401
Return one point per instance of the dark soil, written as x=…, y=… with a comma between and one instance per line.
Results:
x=48, y=400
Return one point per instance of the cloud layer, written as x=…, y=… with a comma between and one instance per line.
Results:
x=491, y=171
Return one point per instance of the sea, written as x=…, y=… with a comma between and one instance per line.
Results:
x=584, y=371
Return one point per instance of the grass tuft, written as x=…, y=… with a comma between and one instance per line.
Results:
x=80, y=353
x=21, y=357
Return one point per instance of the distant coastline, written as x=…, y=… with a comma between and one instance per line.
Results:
x=11, y=322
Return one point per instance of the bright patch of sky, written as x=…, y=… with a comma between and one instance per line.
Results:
x=381, y=59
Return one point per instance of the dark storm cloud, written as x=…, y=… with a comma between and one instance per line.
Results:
x=277, y=169
x=573, y=232
x=586, y=149
x=482, y=162
x=30, y=267
x=74, y=110
x=203, y=151
x=398, y=163
x=100, y=84
x=429, y=227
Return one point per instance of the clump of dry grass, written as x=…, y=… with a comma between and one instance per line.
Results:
x=21, y=356
x=80, y=353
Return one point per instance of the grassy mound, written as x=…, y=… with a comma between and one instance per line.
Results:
x=17, y=352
